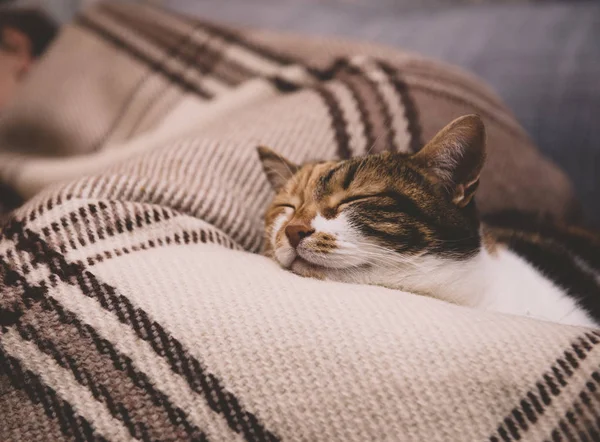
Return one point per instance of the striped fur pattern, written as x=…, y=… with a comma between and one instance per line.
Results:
x=409, y=222
x=133, y=308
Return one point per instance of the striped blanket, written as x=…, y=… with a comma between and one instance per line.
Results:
x=134, y=303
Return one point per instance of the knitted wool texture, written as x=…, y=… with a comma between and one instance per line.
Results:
x=134, y=304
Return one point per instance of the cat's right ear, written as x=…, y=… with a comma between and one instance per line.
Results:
x=454, y=158
x=277, y=168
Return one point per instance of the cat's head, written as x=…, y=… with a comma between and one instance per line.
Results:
x=345, y=219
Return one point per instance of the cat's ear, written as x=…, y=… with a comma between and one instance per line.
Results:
x=455, y=156
x=277, y=168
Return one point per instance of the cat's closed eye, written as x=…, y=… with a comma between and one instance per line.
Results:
x=330, y=212
x=291, y=206
x=355, y=198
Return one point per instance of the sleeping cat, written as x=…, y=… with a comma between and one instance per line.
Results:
x=409, y=222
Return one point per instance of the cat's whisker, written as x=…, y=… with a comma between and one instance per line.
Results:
x=369, y=245
x=451, y=241
x=377, y=138
x=385, y=259
x=293, y=179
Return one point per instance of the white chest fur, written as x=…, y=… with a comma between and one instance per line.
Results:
x=502, y=282
x=514, y=286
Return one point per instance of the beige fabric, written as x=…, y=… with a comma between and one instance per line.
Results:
x=132, y=308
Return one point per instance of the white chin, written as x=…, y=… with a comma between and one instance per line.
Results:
x=285, y=256
x=302, y=267
x=331, y=261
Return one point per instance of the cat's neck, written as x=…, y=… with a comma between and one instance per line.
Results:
x=495, y=279
x=516, y=286
x=502, y=281
x=460, y=282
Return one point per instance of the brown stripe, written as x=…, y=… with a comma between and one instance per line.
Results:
x=174, y=48
x=235, y=37
x=189, y=62
x=71, y=424
x=47, y=204
x=24, y=419
x=549, y=386
x=411, y=109
x=368, y=108
x=110, y=376
x=181, y=238
x=201, y=55
x=98, y=221
x=368, y=97
x=95, y=222
x=155, y=67
x=384, y=113
x=176, y=355
x=338, y=122
x=158, y=66
x=375, y=116
x=411, y=112
x=376, y=110
x=575, y=421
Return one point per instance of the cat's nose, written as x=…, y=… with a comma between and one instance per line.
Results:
x=296, y=232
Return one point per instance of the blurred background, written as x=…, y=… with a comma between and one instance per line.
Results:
x=541, y=57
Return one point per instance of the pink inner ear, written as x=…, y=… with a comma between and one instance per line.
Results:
x=463, y=194
x=455, y=156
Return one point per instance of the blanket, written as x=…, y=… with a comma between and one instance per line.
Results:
x=134, y=303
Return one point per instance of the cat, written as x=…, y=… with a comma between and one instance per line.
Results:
x=410, y=222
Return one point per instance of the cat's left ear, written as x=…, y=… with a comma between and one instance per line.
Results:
x=455, y=156
x=278, y=169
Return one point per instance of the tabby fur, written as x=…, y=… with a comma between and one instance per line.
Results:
x=410, y=222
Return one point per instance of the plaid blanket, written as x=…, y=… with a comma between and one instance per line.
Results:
x=134, y=304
